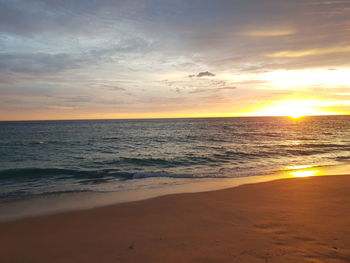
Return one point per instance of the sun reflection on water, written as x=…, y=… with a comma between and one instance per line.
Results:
x=295, y=167
x=304, y=173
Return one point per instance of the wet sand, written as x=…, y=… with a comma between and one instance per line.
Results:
x=288, y=220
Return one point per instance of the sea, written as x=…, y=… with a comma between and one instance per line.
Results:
x=41, y=159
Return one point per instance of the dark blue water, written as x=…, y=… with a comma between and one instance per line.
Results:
x=45, y=157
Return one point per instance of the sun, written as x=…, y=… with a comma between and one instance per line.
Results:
x=292, y=108
x=296, y=116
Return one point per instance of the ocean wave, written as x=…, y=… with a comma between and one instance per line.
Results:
x=324, y=145
x=194, y=176
x=21, y=194
x=145, y=161
x=36, y=173
x=186, y=160
x=342, y=158
x=152, y=161
x=300, y=152
x=89, y=176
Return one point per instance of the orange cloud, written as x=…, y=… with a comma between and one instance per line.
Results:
x=309, y=52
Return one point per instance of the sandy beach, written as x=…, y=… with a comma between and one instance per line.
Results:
x=288, y=220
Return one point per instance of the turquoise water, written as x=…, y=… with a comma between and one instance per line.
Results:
x=50, y=157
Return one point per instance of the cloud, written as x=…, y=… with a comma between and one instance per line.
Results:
x=37, y=62
x=203, y=90
x=270, y=32
x=205, y=74
x=311, y=52
x=108, y=49
x=202, y=74
x=112, y=87
x=227, y=88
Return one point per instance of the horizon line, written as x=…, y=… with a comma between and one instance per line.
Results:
x=160, y=118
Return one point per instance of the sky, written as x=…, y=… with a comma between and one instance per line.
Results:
x=68, y=59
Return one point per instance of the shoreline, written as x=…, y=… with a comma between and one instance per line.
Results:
x=18, y=209
x=32, y=207
x=286, y=220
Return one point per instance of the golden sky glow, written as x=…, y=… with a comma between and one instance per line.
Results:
x=311, y=52
x=270, y=32
x=284, y=79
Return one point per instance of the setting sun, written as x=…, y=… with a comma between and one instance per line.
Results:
x=296, y=116
x=292, y=108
